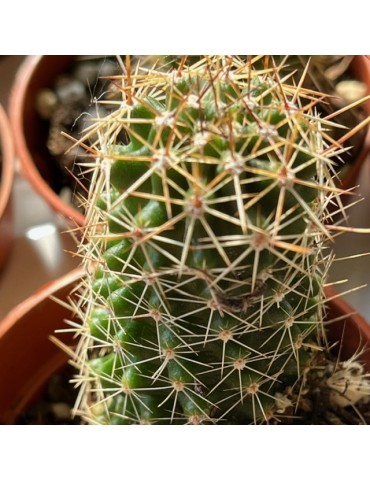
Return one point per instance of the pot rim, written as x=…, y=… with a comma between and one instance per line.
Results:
x=17, y=98
x=7, y=168
x=28, y=356
x=41, y=294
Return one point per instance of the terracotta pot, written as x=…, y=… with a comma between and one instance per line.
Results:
x=31, y=132
x=349, y=330
x=6, y=184
x=27, y=356
x=360, y=67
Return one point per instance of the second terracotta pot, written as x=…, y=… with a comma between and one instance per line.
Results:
x=31, y=131
x=27, y=355
x=6, y=184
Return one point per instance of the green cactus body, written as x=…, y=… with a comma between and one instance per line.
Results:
x=203, y=247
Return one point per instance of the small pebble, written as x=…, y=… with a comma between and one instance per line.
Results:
x=108, y=68
x=61, y=410
x=70, y=90
x=66, y=195
x=86, y=72
x=46, y=103
x=351, y=90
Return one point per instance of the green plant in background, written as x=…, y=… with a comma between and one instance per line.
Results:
x=206, y=248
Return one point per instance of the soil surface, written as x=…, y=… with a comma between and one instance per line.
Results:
x=55, y=405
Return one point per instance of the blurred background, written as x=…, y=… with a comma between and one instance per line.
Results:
x=41, y=245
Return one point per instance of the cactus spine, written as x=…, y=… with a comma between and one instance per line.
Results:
x=204, y=246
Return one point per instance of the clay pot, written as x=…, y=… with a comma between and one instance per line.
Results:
x=31, y=132
x=27, y=356
x=6, y=183
x=349, y=330
x=360, y=67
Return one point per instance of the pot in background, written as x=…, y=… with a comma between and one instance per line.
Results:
x=349, y=330
x=31, y=131
x=6, y=184
x=28, y=357
x=360, y=67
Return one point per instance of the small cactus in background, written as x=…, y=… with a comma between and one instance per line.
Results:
x=206, y=246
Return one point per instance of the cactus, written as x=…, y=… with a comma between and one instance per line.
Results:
x=206, y=246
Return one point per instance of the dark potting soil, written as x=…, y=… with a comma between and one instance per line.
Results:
x=55, y=404
x=68, y=106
